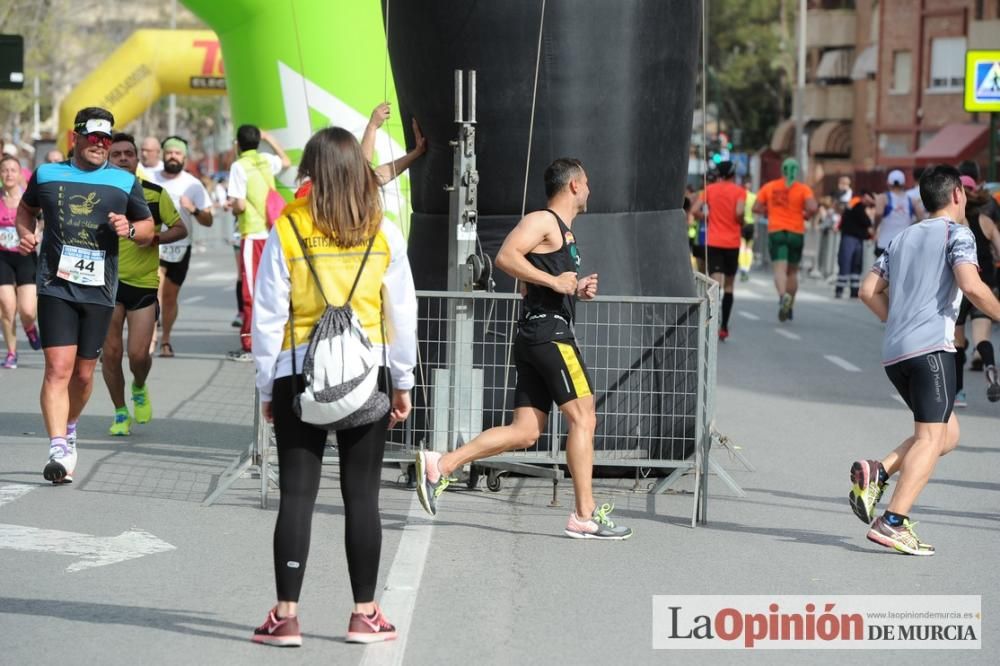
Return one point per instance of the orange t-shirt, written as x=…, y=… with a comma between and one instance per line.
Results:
x=785, y=206
x=723, y=225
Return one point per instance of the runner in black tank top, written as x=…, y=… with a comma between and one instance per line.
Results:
x=541, y=253
x=547, y=314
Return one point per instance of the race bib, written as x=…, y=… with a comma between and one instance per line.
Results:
x=84, y=267
x=172, y=253
x=8, y=238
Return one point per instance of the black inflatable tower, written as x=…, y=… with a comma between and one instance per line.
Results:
x=616, y=83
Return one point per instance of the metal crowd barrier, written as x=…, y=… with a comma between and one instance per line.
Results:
x=652, y=362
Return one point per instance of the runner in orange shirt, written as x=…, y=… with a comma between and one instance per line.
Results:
x=726, y=201
x=787, y=204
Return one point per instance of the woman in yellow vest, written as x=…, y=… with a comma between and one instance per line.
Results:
x=337, y=220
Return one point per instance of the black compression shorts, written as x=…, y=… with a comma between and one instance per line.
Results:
x=17, y=269
x=67, y=323
x=549, y=372
x=176, y=271
x=927, y=384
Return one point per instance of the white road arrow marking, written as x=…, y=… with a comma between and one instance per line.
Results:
x=92, y=551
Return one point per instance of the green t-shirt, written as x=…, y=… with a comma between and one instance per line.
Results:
x=139, y=266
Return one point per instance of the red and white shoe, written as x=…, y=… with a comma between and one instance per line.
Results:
x=374, y=629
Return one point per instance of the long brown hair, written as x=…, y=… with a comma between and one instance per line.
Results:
x=344, y=199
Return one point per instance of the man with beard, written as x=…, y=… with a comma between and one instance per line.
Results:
x=193, y=203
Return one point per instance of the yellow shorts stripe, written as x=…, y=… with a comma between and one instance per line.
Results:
x=576, y=374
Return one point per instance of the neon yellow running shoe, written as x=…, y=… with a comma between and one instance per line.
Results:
x=141, y=405
x=122, y=423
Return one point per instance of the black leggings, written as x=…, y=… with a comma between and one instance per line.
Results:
x=300, y=456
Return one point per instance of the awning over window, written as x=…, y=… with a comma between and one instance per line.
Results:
x=832, y=138
x=954, y=143
x=783, y=139
x=835, y=65
x=866, y=64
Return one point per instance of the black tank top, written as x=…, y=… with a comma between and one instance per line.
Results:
x=547, y=314
x=984, y=252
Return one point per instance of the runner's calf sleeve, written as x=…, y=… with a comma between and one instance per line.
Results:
x=985, y=349
x=960, y=367
x=727, y=309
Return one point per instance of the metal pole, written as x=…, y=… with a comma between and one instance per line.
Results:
x=800, y=85
x=172, y=100
x=36, y=117
x=993, y=147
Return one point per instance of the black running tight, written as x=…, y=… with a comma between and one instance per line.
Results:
x=300, y=455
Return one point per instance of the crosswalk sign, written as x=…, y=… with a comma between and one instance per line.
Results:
x=982, y=81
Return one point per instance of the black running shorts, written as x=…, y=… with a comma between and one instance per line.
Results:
x=927, y=384
x=723, y=260
x=176, y=271
x=549, y=372
x=17, y=269
x=68, y=323
x=135, y=298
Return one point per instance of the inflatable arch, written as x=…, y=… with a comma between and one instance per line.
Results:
x=293, y=68
x=148, y=65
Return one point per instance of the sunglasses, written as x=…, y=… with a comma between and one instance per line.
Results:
x=97, y=140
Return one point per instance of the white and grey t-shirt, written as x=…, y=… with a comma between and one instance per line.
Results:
x=923, y=294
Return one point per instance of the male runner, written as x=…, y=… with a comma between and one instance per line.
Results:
x=251, y=177
x=894, y=211
x=787, y=205
x=88, y=205
x=135, y=302
x=191, y=200
x=541, y=252
x=914, y=287
x=726, y=201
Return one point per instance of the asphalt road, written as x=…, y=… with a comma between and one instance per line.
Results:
x=492, y=580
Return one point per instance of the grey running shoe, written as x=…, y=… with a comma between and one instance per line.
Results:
x=992, y=383
x=240, y=356
x=901, y=537
x=866, y=490
x=428, y=491
x=598, y=527
x=784, y=307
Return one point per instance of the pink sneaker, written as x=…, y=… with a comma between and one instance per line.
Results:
x=364, y=629
x=33, y=339
x=11, y=362
x=280, y=633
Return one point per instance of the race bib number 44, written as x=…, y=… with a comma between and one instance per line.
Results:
x=8, y=238
x=84, y=267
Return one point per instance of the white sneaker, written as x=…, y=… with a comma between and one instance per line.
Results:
x=62, y=463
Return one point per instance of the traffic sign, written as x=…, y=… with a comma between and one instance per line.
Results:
x=982, y=81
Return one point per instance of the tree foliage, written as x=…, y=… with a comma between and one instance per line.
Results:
x=751, y=65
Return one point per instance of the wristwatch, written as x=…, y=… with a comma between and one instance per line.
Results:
x=131, y=231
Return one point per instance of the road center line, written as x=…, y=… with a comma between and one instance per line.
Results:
x=401, y=586
x=787, y=334
x=193, y=299
x=841, y=363
x=748, y=315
